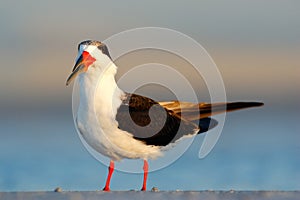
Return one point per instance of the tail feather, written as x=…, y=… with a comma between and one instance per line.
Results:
x=218, y=108
x=192, y=111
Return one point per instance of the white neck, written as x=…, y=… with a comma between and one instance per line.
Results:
x=99, y=92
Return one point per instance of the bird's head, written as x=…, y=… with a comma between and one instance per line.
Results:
x=90, y=53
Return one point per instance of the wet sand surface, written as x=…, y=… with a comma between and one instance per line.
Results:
x=124, y=195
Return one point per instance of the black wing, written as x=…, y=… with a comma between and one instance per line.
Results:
x=151, y=123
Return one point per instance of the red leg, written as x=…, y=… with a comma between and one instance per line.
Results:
x=146, y=166
x=110, y=172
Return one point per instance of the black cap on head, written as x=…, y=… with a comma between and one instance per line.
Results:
x=101, y=46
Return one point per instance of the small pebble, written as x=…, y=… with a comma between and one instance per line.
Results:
x=154, y=189
x=58, y=189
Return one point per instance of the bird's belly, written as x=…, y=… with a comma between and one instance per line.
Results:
x=96, y=138
x=114, y=143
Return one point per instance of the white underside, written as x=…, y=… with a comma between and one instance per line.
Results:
x=100, y=98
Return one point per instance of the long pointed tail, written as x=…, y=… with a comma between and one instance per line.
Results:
x=207, y=110
x=206, y=123
x=191, y=111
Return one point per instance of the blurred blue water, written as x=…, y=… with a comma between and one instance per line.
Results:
x=258, y=150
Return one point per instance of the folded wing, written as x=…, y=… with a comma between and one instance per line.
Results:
x=162, y=123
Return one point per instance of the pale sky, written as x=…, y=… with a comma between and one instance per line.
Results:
x=255, y=44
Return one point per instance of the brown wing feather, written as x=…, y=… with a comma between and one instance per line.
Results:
x=151, y=123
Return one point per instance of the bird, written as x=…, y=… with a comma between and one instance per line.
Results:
x=122, y=125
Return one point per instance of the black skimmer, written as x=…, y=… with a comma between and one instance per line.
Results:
x=129, y=125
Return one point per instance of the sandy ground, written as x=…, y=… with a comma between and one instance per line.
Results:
x=120, y=195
